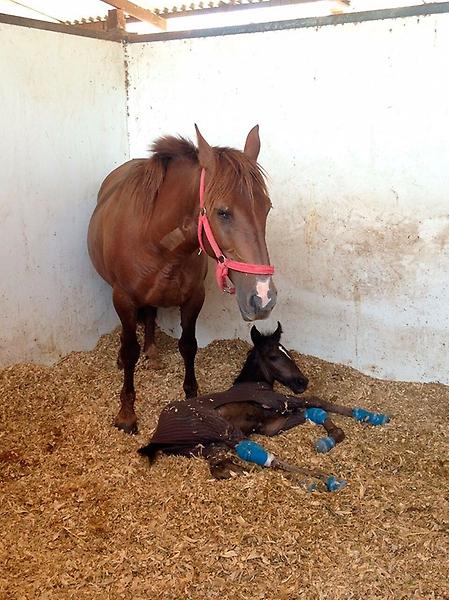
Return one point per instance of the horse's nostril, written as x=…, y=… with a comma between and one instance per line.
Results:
x=255, y=302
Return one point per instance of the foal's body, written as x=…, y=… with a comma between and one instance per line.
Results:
x=209, y=424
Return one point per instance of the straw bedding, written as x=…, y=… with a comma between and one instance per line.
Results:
x=83, y=516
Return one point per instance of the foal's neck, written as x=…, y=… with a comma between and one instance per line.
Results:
x=252, y=371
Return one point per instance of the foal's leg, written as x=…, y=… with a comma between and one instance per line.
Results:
x=295, y=403
x=149, y=347
x=187, y=344
x=129, y=354
x=334, y=432
x=279, y=423
x=221, y=465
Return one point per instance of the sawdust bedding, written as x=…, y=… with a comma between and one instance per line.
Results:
x=83, y=516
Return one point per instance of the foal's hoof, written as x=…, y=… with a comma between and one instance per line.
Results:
x=119, y=362
x=226, y=469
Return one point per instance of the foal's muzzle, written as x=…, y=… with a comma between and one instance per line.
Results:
x=298, y=385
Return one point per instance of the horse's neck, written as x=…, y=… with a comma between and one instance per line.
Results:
x=175, y=220
x=252, y=372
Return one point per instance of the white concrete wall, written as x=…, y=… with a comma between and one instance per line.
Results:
x=63, y=128
x=354, y=124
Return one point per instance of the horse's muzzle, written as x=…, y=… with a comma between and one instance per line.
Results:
x=259, y=303
x=298, y=385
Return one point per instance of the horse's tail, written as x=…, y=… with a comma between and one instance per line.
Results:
x=150, y=451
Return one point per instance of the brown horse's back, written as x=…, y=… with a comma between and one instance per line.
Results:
x=110, y=196
x=116, y=179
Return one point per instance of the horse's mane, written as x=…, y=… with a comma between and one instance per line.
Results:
x=234, y=170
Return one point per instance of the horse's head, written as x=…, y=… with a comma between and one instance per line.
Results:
x=237, y=205
x=275, y=361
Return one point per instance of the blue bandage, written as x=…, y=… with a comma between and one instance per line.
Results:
x=323, y=445
x=366, y=416
x=253, y=452
x=333, y=484
x=316, y=415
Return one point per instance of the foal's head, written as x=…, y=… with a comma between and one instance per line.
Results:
x=237, y=205
x=270, y=359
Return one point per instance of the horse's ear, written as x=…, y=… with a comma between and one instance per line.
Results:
x=255, y=335
x=205, y=152
x=276, y=336
x=252, y=144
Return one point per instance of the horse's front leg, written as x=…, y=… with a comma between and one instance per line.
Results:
x=188, y=345
x=149, y=346
x=129, y=354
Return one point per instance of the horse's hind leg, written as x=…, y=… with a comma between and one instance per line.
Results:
x=129, y=354
x=149, y=347
x=187, y=344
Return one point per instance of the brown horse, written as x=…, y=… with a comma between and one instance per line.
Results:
x=143, y=240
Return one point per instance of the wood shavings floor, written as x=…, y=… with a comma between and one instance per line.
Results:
x=83, y=516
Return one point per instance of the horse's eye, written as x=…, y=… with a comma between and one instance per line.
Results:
x=274, y=357
x=224, y=213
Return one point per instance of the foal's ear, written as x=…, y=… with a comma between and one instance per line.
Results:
x=252, y=144
x=276, y=336
x=205, y=152
x=256, y=336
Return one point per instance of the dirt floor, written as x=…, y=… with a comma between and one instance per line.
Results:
x=83, y=516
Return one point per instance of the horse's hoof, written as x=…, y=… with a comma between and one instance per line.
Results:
x=152, y=363
x=191, y=392
x=127, y=427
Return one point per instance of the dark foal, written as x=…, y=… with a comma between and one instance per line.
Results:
x=210, y=425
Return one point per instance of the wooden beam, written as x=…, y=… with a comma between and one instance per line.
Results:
x=116, y=20
x=140, y=13
x=315, y=22
x=62, y=28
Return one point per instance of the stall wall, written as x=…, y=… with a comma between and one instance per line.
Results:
x=353, y=120
x=63, y=128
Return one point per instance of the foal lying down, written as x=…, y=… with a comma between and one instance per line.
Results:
x=211, y=425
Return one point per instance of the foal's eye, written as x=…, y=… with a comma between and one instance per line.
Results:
x=224, y=213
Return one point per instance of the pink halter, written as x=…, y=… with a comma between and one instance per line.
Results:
x=223, y=263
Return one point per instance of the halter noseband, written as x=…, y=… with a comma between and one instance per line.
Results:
x=223, y=263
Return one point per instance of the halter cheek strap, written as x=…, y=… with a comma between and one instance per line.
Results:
x=223, y=264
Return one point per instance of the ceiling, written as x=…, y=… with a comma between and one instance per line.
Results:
x=72, y=10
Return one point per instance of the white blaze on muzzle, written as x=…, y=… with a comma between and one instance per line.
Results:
x=262, y=289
